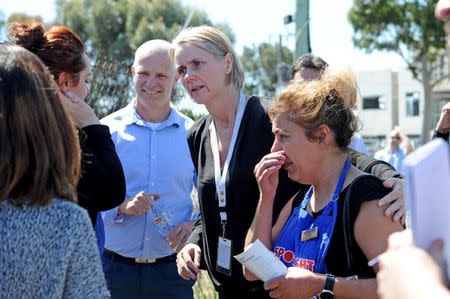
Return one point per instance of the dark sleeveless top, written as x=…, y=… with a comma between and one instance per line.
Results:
x=345, y=258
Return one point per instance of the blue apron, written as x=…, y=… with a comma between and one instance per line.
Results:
x=304, y=241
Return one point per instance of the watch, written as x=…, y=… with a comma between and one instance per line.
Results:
x=327, y=292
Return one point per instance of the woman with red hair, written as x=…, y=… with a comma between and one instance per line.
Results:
x=102, y=182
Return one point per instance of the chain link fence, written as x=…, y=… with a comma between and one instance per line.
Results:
x=112, y=86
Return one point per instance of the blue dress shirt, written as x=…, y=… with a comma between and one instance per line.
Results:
x=155, y=159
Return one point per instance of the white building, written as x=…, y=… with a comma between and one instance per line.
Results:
x=388, y=99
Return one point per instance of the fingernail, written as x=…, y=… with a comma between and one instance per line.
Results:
x=375, y=260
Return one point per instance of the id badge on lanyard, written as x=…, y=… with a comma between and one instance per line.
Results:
x=224, y=248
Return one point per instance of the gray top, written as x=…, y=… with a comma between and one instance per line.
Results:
x=49, y=252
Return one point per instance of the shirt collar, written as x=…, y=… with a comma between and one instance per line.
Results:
x=132, y=117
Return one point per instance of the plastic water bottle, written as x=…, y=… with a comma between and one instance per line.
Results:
x=161, y=218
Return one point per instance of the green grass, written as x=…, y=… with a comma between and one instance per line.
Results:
x=203, y=288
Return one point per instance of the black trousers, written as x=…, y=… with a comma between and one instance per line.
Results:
x=129, y=280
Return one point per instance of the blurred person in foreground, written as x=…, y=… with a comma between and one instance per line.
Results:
x=331, y=232
x=151, y=141
x=407, y=271
x=102, y=184
x=442, y=12
x=225, y=147
x=47, y=245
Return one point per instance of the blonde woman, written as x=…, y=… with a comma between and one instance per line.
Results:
x=225, y=147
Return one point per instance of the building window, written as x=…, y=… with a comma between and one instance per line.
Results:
x=412, y=103
x=373, y=102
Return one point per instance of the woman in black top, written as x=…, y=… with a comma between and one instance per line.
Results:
x=225, y=147
x=102, y=183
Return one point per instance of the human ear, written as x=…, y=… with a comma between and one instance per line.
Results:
x=323, y=134
x=228, y=63
x=177, y=76
x=63, y=82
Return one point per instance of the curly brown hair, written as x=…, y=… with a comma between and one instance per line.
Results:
x=328, y=100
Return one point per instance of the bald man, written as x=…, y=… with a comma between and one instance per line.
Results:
x=150, y=139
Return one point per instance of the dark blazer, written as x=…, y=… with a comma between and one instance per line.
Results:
x=254, y=140
x=444, y=136
x=102, y=182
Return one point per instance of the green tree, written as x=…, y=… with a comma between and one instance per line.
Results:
x=114, y=29
x=409, y=29
x=266, y=68
x=191, y=113
x=17, y=17
x=22, y=17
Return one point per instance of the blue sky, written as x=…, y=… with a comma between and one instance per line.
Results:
x=254, y=21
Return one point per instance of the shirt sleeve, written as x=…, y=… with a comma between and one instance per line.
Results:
x=102, y=182
x=378, y=168
x=197, y=233
x=196, y=237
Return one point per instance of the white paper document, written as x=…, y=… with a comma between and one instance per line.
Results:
x=261, y=261
x=427, y=173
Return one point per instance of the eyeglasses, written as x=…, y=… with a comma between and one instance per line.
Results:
x=395, y=137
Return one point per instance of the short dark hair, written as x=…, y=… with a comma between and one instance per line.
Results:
x=309, y=61
x=39, y=149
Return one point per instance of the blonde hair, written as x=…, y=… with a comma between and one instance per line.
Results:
x=328, y=100
x=215, y=42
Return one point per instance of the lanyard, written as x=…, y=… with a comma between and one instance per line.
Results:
x=339, y=185
x=220, y=178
